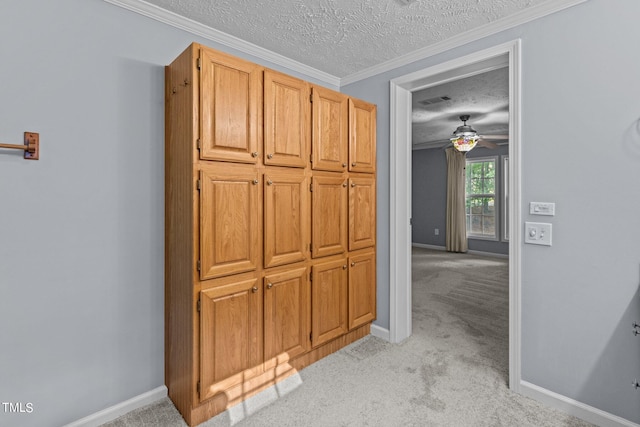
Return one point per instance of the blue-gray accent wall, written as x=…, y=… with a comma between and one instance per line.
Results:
x=81, y=230
x=429, y=198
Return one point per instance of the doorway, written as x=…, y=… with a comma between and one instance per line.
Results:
x=506, y=55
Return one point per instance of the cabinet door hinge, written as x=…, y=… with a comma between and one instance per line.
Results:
x=198, y=388
x=198, y=187
x=198, y=143
x=199, y=265
x=198, y=63
x=311, y=276
x=311, y=187
x=311, y=98
x=311, y=158
x=199, y=305
x=311, y=336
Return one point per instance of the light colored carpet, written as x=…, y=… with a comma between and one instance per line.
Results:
x=451, y=372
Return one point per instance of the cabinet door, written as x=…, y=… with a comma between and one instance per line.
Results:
x=328, y=215
x=230, y=332
x=328, y=301
x=286, y=316
x=229, y=220
x=230, y=108
x=329, y=139
x=362, y=212
x=362, y=289
x=362, y=136
x=286, y=217
x=286, y=120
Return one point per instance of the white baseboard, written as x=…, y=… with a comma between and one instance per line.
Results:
x=113, y=412
x=379, y=332
x=489, y=254
x=423, y=245
x=573, y=407
x=442, y=248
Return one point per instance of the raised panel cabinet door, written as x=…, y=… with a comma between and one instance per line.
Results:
x=362, y=212
x=286, y=217
x=286, y=316
x=362, y=136
x=230, y=335
x=328, y=215
x=230, y=215
x=328, y=301
x=329, y=138
x=230, y=108
x=287, y=126
x=362, y=289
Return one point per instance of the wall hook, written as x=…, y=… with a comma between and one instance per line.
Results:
x=31, y=146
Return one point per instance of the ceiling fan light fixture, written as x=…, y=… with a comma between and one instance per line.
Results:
x=465, y=137
x=464, y=144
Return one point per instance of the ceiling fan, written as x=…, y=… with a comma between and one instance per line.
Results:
x=466, y=137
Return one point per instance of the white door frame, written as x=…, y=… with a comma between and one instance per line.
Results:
x=504, y=55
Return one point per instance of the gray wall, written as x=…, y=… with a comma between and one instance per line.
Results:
x=580, y=296
x=82, y=229
x=429, y=198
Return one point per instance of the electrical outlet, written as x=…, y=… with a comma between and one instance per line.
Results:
x=436, y=231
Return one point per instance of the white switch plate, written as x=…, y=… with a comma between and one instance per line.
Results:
x=537, y=233
x=542, y=208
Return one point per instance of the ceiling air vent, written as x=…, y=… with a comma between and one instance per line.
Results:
x=435, y=100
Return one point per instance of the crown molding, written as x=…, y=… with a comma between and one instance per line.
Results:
x=527, y=15
x=162, y=15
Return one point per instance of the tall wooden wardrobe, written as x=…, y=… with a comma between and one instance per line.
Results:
x=270, y=227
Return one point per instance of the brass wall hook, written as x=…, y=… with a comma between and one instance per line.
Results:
x=31, y=146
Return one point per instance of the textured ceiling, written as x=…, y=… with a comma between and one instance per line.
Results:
x=346, y=38
x=342, y=37
x=485, y=97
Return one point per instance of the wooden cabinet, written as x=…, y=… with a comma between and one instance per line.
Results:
x=362, y=215
x=362, y=136
x=329, y=297
x=231, y=108
x=269, y=227
x=362, y=288
x=229, y=220
x=286, y=316
x=330, y=130
x=329, y=215
x=286, y=120
x=229, y=313
x=286, y=217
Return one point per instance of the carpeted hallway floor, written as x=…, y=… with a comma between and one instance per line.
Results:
x=451, y=372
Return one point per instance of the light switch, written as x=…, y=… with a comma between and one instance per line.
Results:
x=537, y=233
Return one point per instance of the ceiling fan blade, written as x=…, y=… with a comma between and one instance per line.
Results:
x=494, y=136
x=487, y=144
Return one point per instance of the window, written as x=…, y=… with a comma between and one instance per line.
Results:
x=480, y=187
x=505, y=198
